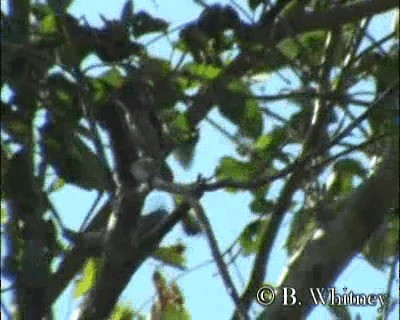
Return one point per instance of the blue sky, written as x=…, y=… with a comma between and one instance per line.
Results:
x=205, y=295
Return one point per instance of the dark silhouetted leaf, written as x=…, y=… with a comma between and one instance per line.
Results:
x=250, y=237
x=59, y=6
x=384, y=243
x=340, y=312
x=253, y=4
x=261, y=205
x=72, y=159
x=143, y=23
x=235, y=106
x=127, y=12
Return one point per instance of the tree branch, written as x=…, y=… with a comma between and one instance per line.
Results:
x=212, y=240
x=271, y=36
x=321, y=261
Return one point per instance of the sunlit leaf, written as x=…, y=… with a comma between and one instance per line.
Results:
x=302, y=225
x=112, y=77
x=123, y=312
x=56, y=185
x=267, y=143
x=172, y=255
x=3, y=215
x=49, y=24
x=230, y=168
x=88, y=278
x=202, y=70
x=175, y=312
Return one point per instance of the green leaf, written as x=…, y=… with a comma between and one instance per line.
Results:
x=3, y=214
x=230, y=168
x=235, y=105
x=172, y=255
x=143, y=23
x=186, y=137
x=72, y=159
x=185, y=153
x=63, y=99
x=351, y=167
x=175, y=312
x=250, y=237
x=181, y=129
x=261, y=205
x=89, y=276
x=56, y=185
x=48, y=25
x=251, y=123
x=302, y=225
x=202, y=70
x=314, y=44
x=383, y=245
x=123, y=312
x=267, y=144
x=112, y=77
x=340, y=182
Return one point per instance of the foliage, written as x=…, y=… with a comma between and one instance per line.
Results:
x=56, y=111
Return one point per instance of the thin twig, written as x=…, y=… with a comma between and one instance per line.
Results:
x=91, y=211
x=391, y=279
x=374, y=46
x=7, y=313
x=216, y=253
x=12, y=287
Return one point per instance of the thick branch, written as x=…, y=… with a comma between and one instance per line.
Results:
x=74, y=260
x=322, y=259
x=204, y=100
